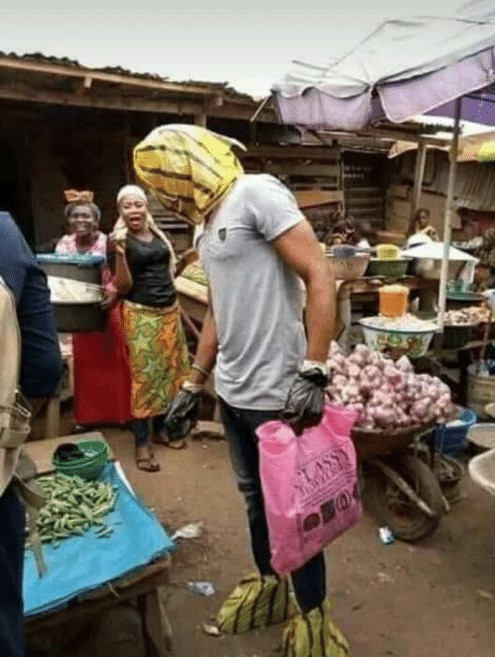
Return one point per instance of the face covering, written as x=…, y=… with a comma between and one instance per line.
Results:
x=189, y=169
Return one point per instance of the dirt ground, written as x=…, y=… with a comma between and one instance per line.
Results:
x=435, y=599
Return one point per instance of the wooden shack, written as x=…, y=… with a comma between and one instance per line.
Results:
x=64, y=125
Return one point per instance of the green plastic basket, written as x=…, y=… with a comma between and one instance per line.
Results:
x=388, y=268
x=91, y=467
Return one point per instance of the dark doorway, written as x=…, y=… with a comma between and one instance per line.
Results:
x=14, y=189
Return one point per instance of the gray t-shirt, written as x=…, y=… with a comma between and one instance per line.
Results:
x=256, y=297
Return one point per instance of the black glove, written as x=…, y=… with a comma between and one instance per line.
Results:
x=182, y=414
x=306, y=400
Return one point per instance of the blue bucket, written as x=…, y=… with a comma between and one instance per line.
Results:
x=453, y=439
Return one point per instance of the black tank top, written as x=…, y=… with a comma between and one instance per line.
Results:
x=149, y=263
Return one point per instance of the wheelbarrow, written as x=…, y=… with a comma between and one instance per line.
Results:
x=401, y=487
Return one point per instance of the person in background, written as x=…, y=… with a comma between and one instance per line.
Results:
x=83, y=220
x=159, y=358
x=485, y=273
x=363, y=234
x=341, y=230
x=102, y=381
x=255, y=249
x=422, y=224
x=41, y=370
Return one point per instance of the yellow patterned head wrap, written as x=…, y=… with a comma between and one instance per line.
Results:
x=188, y=168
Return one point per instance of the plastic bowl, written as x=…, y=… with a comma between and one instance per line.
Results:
x=398, y=342
x=348, y=268
x=482, y=470
x=482, y=435
x=387, y=251
x=490, y=411
x=96, y=457
x=388, y=268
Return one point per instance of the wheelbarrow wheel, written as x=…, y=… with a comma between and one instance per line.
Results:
x=394, y=509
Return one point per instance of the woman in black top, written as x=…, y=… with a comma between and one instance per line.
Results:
x=158, y=354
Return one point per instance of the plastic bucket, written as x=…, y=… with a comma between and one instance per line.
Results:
x=393, y=300
x=480, y=391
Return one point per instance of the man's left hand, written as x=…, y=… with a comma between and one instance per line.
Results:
x=182, y=414
x=306, y=399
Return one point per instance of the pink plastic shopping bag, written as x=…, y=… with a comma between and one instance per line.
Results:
x=310, y=486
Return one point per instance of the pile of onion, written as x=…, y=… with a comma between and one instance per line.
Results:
x=386, y=394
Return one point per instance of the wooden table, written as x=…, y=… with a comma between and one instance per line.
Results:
x=144, y=587
x=194, y=301
x=371, y=285
x=193, y=298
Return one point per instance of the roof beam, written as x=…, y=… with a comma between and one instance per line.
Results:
x=126, y=103
x=292, y=152
x=33, y=66
x=391, y=135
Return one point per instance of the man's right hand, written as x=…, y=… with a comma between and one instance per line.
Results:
x=183, y=413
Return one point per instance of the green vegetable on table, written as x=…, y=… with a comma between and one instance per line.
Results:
x=73, y=507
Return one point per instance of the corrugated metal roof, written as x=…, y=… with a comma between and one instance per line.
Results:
x=39, y=58
x=62, y=81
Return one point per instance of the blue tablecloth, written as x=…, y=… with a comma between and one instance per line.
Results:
x=84, y=563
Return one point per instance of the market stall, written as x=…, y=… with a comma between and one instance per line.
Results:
x=426, y=65
x=193, y=291
x=101, y=545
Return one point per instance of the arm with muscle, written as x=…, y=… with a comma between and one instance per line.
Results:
x=299, y=249
x=206, y=353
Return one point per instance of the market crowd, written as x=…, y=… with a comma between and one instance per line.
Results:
x=255, y=247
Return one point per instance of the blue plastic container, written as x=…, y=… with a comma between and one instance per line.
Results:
x=76, y=317
x=79, y=259
x=78, y=267
x=453, y=439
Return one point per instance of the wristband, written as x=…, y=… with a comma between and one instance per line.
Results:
x=195, y=388
x=200, y=369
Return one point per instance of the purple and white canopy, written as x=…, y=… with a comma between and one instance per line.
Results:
x=403, y=69
x=424, y=65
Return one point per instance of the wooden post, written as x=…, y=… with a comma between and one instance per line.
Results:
x=447, y=227
x=419, y=173
x=201, y=120
x=156, y=622
x=127, y=150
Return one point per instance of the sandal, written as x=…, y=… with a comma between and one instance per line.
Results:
x=147, y=463
x=162, y=439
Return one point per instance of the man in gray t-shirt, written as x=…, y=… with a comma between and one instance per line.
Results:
x=256, y=297
x=259, y=254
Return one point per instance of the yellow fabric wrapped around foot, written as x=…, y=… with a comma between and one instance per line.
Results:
x=256, y=602
x=314, y=635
